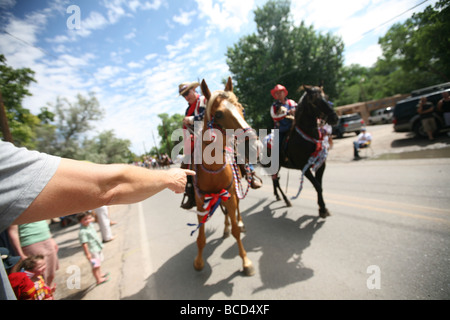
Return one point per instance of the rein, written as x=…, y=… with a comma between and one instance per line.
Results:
x=317, y=158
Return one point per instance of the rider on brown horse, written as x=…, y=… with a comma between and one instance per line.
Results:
x=195, y=112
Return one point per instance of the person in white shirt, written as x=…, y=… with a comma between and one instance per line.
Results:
x=364, y=141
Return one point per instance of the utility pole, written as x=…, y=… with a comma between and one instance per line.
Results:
x=4, y=121
x=154, y=142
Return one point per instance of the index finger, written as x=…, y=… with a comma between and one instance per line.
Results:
x=190, y=172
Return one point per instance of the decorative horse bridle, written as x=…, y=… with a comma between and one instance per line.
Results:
x=212, y=201
x=230, y=154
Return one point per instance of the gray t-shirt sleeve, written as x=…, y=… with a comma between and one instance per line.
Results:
x=23, y=175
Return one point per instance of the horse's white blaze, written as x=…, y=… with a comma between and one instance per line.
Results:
x=236, y=114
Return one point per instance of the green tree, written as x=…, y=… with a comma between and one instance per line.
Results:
x=165, y=130
x=106, y=148
x=72, y=121
x=280, y=52
x=14, y=85
x=420, y=47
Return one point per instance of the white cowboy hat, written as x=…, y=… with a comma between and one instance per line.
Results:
x=186, y=86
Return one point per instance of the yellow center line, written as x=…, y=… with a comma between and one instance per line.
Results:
x=376, y=205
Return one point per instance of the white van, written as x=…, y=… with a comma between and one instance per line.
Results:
x=381, y=116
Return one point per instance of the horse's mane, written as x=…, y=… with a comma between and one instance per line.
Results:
x=228, y=95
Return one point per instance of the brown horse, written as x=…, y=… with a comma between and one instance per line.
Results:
x=164, y=162
x=224, y=114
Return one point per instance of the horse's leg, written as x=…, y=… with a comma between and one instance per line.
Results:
x=275, y=183
x=226, y=231
x=316, y=182
x=231, y=205
x=201, y=242
x=239, y=219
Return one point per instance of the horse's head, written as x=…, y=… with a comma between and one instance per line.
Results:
x=224, y=112
x=314, y=102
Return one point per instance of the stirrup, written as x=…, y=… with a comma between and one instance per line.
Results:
x=190, y=203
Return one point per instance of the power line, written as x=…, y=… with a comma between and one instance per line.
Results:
x=399, y=15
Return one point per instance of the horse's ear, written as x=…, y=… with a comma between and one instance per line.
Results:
x=229, y=86
x=306, y=88
x=205, y=90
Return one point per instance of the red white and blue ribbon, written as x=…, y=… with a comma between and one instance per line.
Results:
x=212, y=202
x=316, y=160
x=211, y=199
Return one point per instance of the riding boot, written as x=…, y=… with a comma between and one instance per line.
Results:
x=256, y=184
x=190, y=194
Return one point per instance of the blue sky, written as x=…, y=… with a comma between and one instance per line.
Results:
x=134, y=54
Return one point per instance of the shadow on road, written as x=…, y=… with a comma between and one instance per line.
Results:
x=412, y=140
x=281, y=260
x=280, y=263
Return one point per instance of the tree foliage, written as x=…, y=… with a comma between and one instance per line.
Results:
x=168, y=126
x=14, y=85
x=281, y=52
x=106, y=148
x=415, y=55
x=420, y=46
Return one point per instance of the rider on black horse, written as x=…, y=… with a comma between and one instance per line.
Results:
x=282, y=112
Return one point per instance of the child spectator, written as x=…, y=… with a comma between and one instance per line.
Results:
x=34, y=268
x=92, y=245
x=22, y=286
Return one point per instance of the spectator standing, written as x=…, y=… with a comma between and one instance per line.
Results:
x=104, y=223
x=425, y=109
x=32, y=239
x=92, y=245
x=443, y=106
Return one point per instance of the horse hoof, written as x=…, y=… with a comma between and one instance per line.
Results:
x=249, y=271
x=323, y=213
x=198, y=266
x=241, y=226
x=288, y=204
x=226, y=234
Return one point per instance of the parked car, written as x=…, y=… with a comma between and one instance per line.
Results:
x=348, y=123
x=381, y=116
x=407, y=119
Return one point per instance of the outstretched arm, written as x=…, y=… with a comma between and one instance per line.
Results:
x=79, y=186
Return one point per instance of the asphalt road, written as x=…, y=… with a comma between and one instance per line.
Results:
x=388, y=238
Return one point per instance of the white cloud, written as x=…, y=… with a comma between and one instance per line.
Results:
x=7, y=4
x=134, y=65
x=184, y=18
x=365, y=57
x=131, y=35
x=226, y=14
x=94, y=21
x=108, y=73
x=151, y=56
x=179, y=46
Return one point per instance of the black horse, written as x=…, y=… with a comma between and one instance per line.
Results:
x=305, y=145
